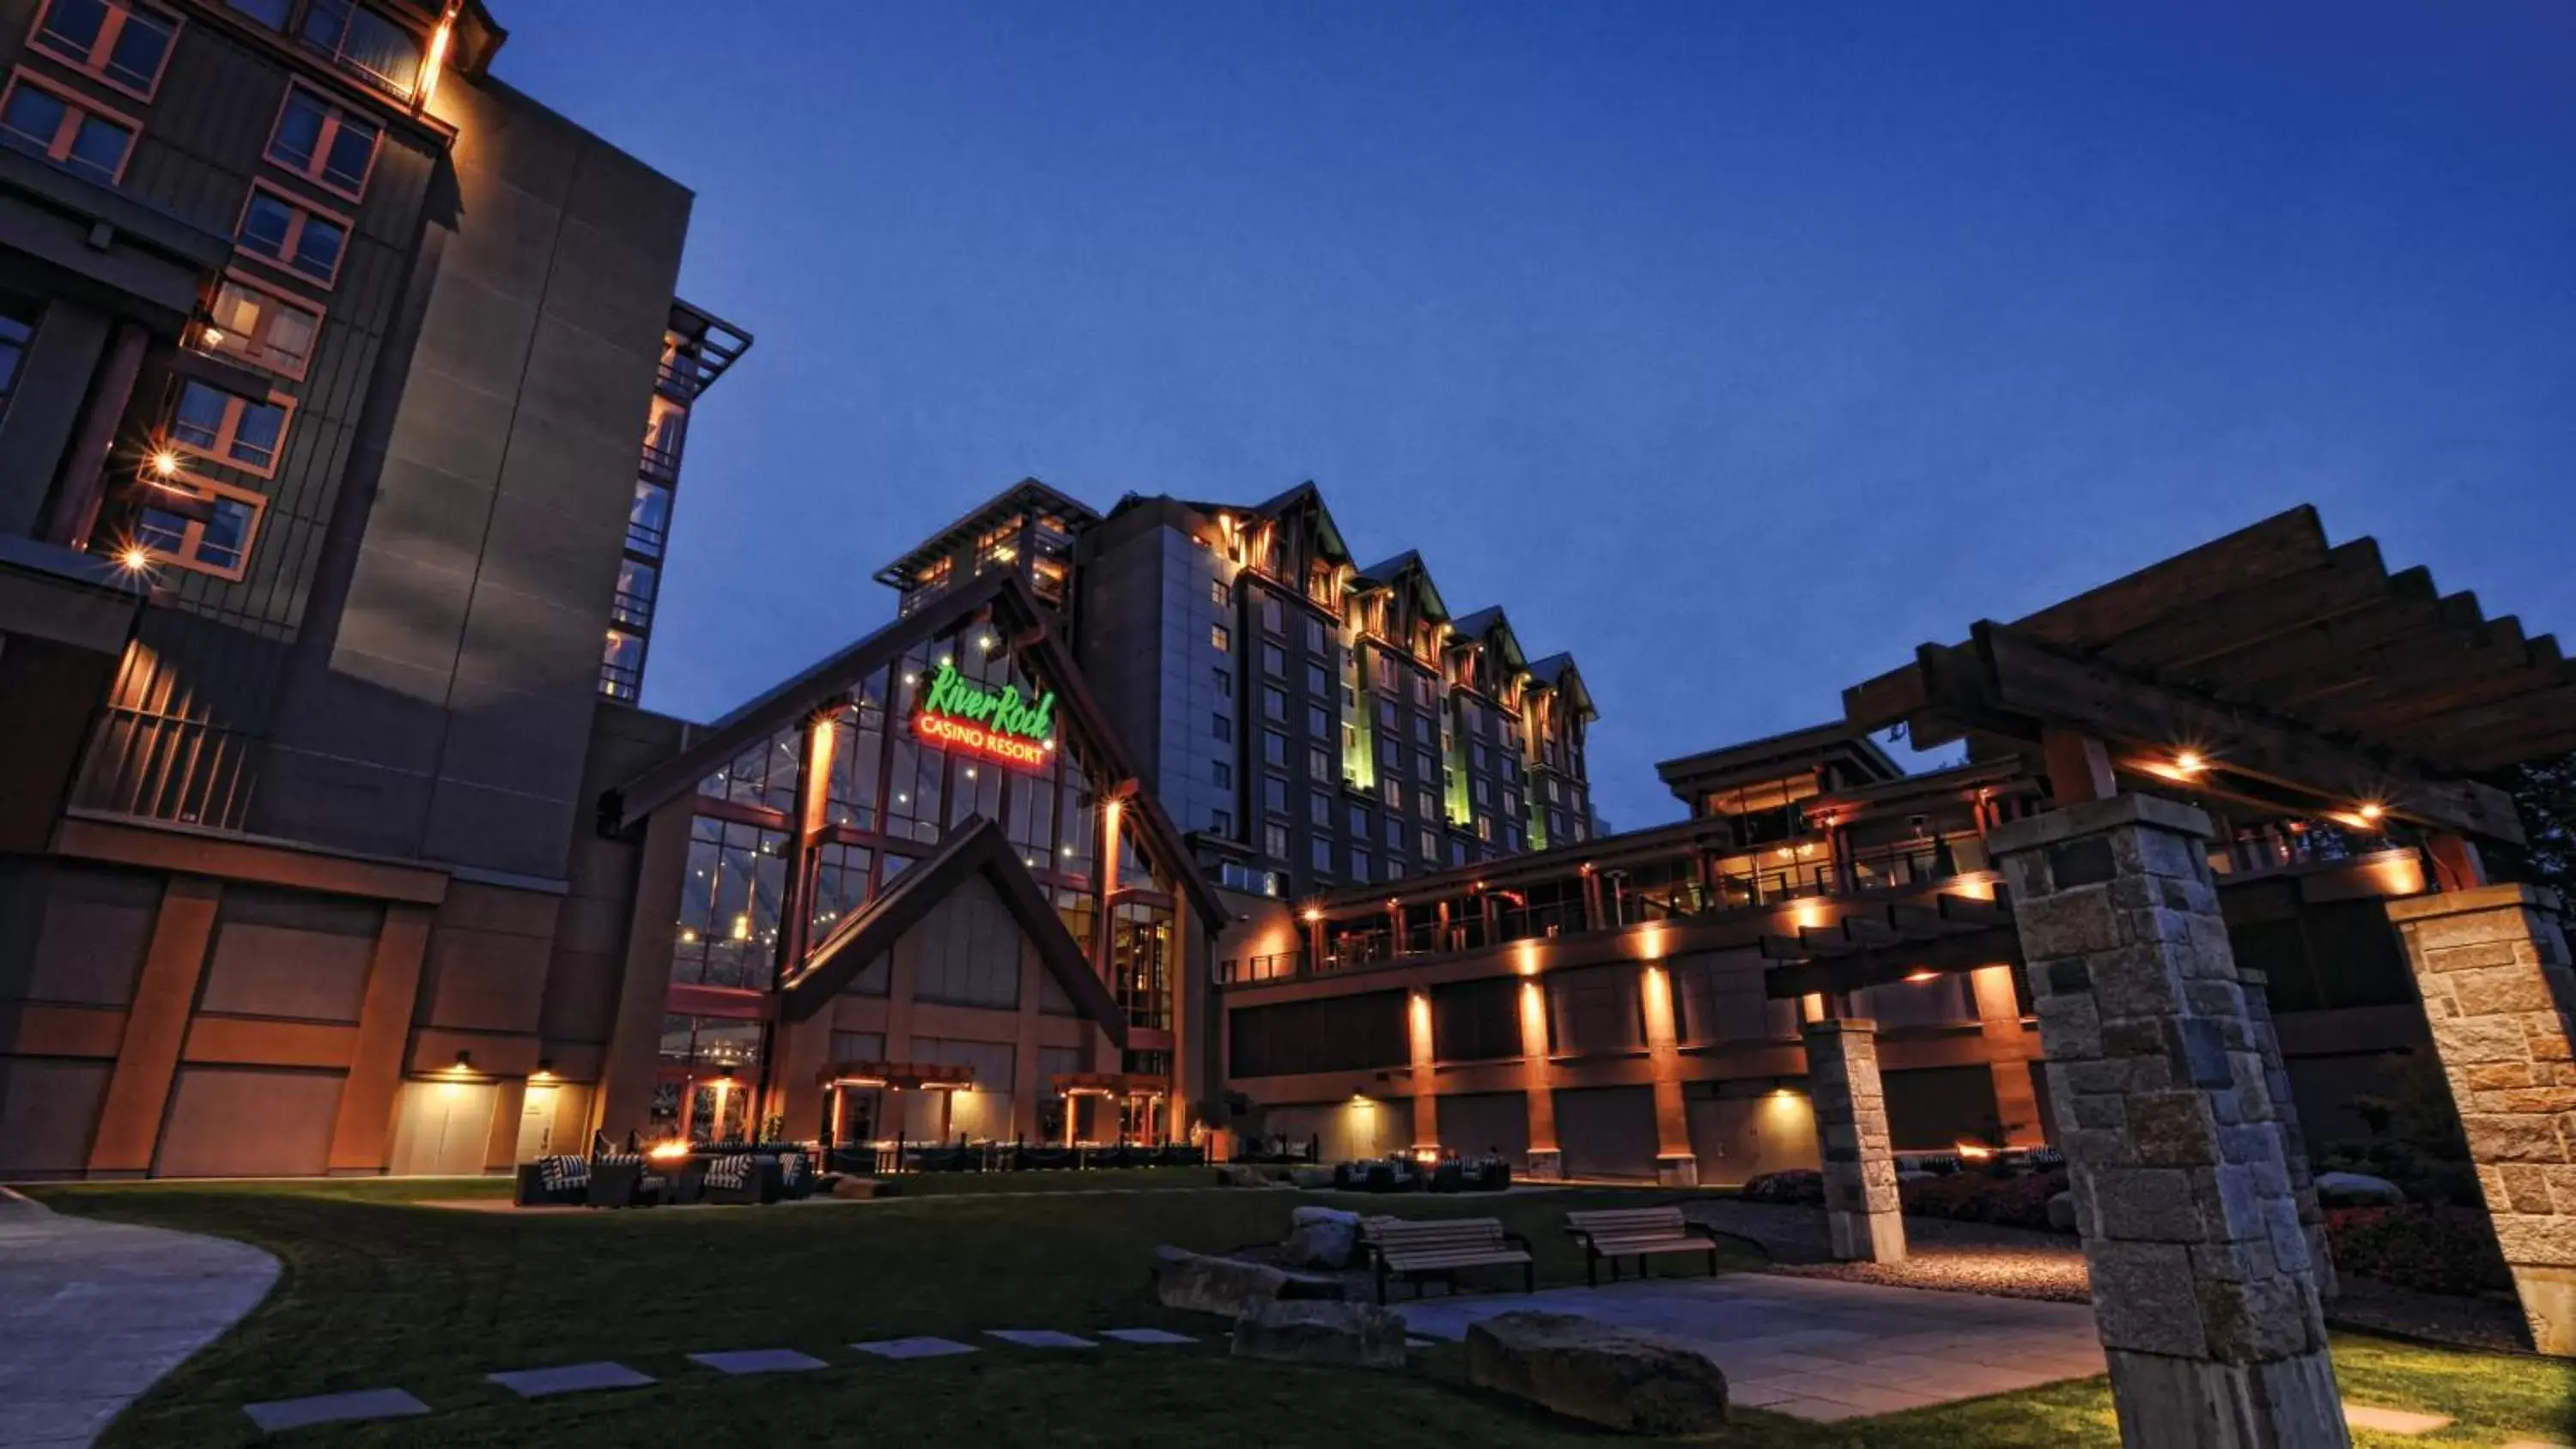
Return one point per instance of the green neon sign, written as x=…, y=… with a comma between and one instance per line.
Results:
x=989, y=719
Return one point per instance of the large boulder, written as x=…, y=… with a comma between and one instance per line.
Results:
x=1588, y=1370
x=2356, y=1189
x=1352, y=1335
x=1204, y=1284
x=1243, y=1174
x=1323, y=1237
x=2061, y=1213
x=1311, y=1177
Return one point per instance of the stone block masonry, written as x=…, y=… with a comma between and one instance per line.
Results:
x=2204, y=1285
x=1863, y=1218
x=2492, y=966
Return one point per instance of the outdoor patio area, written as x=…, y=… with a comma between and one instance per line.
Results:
x=1822, y=1350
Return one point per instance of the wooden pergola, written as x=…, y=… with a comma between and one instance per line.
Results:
x=2267, y=671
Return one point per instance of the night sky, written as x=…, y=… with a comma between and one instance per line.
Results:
x=1736, y=348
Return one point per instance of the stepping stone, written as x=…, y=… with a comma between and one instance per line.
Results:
x=1145, y=1335
x=572, y=1378
x=1039, y=1338
x=758, y=1361
x=914, y=1347
x=333, y=1408
x=2393, y=1421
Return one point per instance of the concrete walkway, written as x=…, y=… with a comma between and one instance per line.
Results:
x=1820, y=1349
x=91, y=1313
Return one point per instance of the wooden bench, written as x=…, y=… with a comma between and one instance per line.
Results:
x=1637, y=1233
x=1413, y=1249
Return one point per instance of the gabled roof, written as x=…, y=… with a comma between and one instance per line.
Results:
x=978, y=847
x=1489, y=626
x=827, y=682
x=1557, y=672
x=1386, y=573
x=1790, y=749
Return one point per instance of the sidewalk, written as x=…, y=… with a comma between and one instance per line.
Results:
x=91, y=1313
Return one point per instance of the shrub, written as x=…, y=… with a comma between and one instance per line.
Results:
x=2420, y=1246
x=1799, y=1185
x=2017, y=1202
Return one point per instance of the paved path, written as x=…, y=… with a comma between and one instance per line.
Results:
x=92, y=1312
x=1820, y=1349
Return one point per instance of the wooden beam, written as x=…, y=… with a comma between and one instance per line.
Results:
x=2333, y=645
x=2030, y=679
x=1997, y=947
x=2351, y=579
x=2282, y=544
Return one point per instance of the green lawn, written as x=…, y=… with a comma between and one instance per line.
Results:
x=381, y=1292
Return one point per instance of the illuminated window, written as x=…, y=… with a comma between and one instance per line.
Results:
x=1319, y=763
x=363, y=41
x=229, y=427
x=1219, y=638
x=1484, y=827
x=45, y=120
x=123, y=44
x=323, y=143
x=648, y=519
x=1217, y=593
x=263, y=328
x=636, y=583
x=198, y=524
x=298, y=238
x=621, y=665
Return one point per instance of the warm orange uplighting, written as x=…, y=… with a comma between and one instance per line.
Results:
x=669, y=1151
x=1972, y=1151
x=214, y=336
x=435, y=60
x=132, y=558
x=165, y=462
x=2372, y=810
x=2190, y=762
x=1311, y=915
x=1917, y=978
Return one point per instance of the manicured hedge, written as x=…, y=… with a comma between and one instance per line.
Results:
x=1973, y=1197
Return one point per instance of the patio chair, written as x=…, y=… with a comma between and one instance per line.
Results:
x=553, y=1182
x=619, y=1181
x=732, y=1178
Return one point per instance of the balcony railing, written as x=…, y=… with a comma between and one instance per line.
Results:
x=662, y=465
x=1365, y=940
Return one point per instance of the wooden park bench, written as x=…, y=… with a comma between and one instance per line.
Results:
x=1413, y=1249
x=1637, y=1233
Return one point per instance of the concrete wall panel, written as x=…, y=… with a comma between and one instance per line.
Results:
x=247, y=1122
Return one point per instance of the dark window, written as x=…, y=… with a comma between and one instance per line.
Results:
x=1315, y=683
x=323, y=143
x=120, y=43
x=36, y=119
x=17, y=329
x=1222, y=773
x=1270, y=612
x=1274, y=661
x=1319, y=808
x=1597, y=1009
x=228, y=426
x=1318, y=723
x=1329, y=1034
x=1274, y=840
x=1274, y=748
x=1319, y=764
x=271, y=13
x=1274, y=702
x=1221, y=727
x=1476, y=1021
x=1274, y=791
x=279, y=231
x=1315, y=635
x=1220, y=822
x=199, y=525
x=1225, y=682
x=1323, y=852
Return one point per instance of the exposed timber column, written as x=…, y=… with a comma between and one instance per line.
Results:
x=1538, y=1084
x=1675, y=1164
x=2294, y=1139
x=2007, y=1054
x=156, y=1025
x=2492, y=966
x=2203, y=1287
x=1862, y=1216
x=1426, y=1097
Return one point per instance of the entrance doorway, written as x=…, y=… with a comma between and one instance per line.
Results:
x=443, y=1129
x=537, y=1123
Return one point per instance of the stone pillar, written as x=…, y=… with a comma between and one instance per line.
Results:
x=1862, y=1214
x=2493, y=969
x=2294, y=1140
x=2203, y=1286
x=1675, y=1164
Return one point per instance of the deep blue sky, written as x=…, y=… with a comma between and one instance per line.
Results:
x=1738, y=349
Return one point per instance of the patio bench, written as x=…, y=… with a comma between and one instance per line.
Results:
x=735, y=1177
x=1637, y=1233
x=1412, y=1249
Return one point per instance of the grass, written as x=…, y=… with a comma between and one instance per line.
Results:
x=379, y=1291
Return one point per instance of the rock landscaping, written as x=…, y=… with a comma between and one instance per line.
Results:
x=1640, y=1383
x=1353, y=1335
